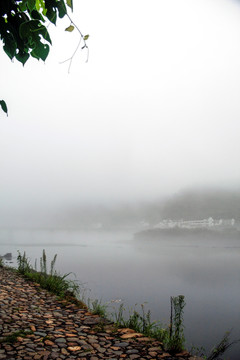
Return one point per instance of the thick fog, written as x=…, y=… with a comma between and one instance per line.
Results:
x=155, y=109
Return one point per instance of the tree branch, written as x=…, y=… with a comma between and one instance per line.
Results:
x=85, y=46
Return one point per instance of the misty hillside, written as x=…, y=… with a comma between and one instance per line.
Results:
x=79, y=216
x=117, y=216
x=187, y=205
x=190, y=205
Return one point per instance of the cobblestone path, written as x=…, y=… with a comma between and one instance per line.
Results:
x=54, y=330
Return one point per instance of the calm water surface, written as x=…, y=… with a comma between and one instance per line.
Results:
x=117, y=266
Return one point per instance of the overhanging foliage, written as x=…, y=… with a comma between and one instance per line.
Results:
x=23, y=26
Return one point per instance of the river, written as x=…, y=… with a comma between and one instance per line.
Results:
x=116, y=266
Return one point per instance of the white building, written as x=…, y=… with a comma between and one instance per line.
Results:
x=195, y=224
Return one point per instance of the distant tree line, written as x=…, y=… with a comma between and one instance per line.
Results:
x=203, y=204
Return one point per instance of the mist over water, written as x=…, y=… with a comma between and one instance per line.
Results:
x=97, y=243
x=115, y=265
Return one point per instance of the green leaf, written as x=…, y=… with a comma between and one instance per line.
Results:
x=36, y=15
x=34, y=55
x=70, y=28
x=70, y=4
x=30, y=32
x=85, y=37
x=31, y=5
x=40, y=5
x=24, y=30
x=10, y=46
x=52, y=15
x=40, y=51
x=43, y=31
x=4, y=106
x=22, y=57
x=23, y=5
x=61, y=8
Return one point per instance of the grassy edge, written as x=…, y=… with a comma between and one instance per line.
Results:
x=171, y=337
x=67, y=292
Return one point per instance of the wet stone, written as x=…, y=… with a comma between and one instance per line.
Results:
x=54, y=355
x=132, y=351
x=134, y=356
x=91, y=321
x=118, y=353
x=122, y=344
x=72, y=339
x=38, y=333
x=60, y=340
x=62, y=331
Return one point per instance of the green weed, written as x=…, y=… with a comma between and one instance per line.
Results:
x=176, y=340
x=223, y=345
x=12, y=338
x=52, y=281
x=172, y=337
x=23, y=262
x=199, y=351
x=97, y=307
x=140, y=322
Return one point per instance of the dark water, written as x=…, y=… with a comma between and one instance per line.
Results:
x=117, y=266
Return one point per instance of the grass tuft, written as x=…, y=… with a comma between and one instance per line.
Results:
x=223, y=345
x=12, y=338
x=176, y=339
x=140, y=322
x=1, y=262
x=52, y=281
x=97, y=307
x=171, y=336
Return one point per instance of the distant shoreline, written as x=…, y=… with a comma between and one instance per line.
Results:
x=178, y=232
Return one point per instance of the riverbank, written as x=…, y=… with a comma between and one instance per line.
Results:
x=194, y=234
x=34, y=324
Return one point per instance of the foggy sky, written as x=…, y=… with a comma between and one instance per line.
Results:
x=155, y=109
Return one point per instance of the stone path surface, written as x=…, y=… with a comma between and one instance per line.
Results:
x=57, y=330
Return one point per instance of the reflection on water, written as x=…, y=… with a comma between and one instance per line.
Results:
x=116, y=266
